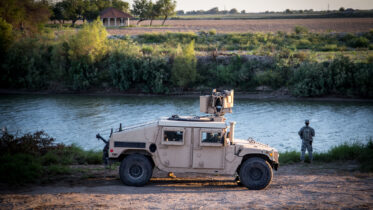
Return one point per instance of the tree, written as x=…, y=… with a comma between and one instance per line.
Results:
x=142, y=8
x=74, y=10
x=121, y=5
x=180, y=12
x=153, y=11
x=288, y=11
x=184, y=67
x=214, y=10
x=166, y=8
x=244, y=11
x=59, y=12
x=233, y=11
x=25, y=15
x=6, y=37
x=89, y=41
x=91, y=10
x=342, y=9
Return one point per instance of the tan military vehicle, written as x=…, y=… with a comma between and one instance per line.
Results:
x=183, y=144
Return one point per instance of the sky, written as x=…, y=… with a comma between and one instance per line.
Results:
x=271, y=5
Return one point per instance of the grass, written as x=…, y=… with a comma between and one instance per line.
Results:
x=363, y=153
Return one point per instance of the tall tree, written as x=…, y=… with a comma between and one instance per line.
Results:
x=91, y=10
x=153, y=11
x=74, y=10
x=59, y=12
x=142, y=8
x=166, y=8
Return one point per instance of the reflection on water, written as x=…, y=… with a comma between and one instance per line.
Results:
x=77, y=119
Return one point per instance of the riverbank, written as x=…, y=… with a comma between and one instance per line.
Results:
x=281, y=94
x=295, y=186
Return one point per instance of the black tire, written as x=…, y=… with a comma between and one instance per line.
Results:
x=256, y=173
x=135, y=170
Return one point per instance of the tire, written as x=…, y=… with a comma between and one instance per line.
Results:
x=135, y=170
x=256, y=173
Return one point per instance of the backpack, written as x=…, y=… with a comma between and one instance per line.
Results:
x=307, y=135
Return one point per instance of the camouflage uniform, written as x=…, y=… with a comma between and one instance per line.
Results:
x=306, y=133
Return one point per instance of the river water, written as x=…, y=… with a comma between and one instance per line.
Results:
x=77, y=119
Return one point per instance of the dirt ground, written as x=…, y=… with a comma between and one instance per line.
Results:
x=297, y=186
x=271, y=25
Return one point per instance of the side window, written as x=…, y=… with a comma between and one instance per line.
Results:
x=212, y=138
x=173, y=136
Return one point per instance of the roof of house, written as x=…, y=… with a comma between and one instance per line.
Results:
x=114, y=13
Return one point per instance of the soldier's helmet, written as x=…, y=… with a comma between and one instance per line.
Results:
x=307, y=122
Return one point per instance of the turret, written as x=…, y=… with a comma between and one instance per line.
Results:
x=217, y=104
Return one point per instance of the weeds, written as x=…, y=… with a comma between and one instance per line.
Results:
x=363, y=153
x=27, y=158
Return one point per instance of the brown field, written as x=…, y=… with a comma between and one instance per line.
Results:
x=273, y=25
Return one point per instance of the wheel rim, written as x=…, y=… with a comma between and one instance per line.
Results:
x=135, y=171
x=255, y=174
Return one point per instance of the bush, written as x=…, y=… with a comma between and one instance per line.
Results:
x=184, y=66
x=358, y=42
x=269, y=78
x=300, y=30
x=309, y=80
x=19, y=168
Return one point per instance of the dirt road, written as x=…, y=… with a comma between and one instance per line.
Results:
x=295, y=186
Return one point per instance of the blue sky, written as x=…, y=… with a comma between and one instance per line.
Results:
x=271, y=5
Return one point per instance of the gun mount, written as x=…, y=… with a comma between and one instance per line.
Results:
x=217, y=104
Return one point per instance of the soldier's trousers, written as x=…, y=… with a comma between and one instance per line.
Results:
x=306, y=145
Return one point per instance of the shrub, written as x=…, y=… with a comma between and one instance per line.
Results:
x=300, y=30
x=19, y=168
x=309, y=80
x=212, y=32
x=89, y=41
x=269, y=78
x=358, y=42
x=184, y=66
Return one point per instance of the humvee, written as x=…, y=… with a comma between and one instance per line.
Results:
x=197, y=144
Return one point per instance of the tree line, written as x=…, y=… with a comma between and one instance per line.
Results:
x=29, y=16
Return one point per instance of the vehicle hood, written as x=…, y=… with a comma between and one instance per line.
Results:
x=252, y=144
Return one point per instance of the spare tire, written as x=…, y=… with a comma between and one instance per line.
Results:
x=255, y=173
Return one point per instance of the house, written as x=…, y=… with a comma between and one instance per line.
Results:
x=114, y=17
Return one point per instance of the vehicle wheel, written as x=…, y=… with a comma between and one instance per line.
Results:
x=256, y=173
x=135, y=170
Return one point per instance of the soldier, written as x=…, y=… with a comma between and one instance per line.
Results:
x=306, y=133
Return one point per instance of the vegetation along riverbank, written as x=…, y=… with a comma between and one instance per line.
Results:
x=36, y=158
x=305, y=63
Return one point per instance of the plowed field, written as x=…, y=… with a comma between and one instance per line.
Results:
x=241, y=26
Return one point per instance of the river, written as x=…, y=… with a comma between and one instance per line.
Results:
x=76, y=119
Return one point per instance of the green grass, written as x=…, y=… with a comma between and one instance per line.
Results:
x=363, y=153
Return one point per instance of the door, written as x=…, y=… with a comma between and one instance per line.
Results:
x=175, y=147
x=208, y=148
